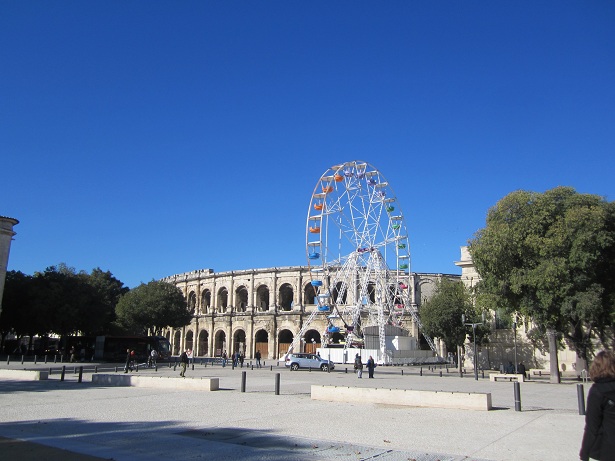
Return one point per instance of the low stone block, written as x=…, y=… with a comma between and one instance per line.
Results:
x=405, y=397
x=198, y=384
x=24, y=375
x=493, y=377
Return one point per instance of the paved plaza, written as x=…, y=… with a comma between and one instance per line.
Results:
x=72, y=421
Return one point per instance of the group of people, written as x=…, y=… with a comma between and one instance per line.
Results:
x=358, y=366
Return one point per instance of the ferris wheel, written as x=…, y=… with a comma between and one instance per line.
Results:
x=358, y=255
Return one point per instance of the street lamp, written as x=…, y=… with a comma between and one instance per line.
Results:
x=474, y=325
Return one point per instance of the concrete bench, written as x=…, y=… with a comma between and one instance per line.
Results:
x=403, y=397
x=493, y=377
x=24, y=375
x=160, y=382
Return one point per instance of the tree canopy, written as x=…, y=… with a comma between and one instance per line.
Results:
x=152, y=306
x=441, y=315
x=551, y=257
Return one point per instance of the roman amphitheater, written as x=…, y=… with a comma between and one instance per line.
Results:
x=264, y=310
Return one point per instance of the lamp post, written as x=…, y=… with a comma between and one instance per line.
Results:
x=473, y=325
x=515, y=339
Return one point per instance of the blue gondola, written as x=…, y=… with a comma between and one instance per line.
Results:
x=316, y=283
x=332, y=329
x=314, y=255
x=323, y=308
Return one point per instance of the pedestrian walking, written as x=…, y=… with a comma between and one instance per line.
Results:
x=257, y=356
x=241, y=359
x=599, y=435
x=358, y=365
x=128, y=365
x=370, y=366
x=183, y=360
x=224, y=359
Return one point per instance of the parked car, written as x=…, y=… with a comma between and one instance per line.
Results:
x=296, y=361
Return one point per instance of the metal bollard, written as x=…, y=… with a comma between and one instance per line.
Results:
x=581, y=399
x=421, y=372
x=517, y=388
x=8, y=359
x=440, y=373
x=63, y=372
x=45, y=358
x=95, y=368
x=252, y=367
x=402, y=372
x=193, y=367
x=156, y=367
x=55, y=359
x=80, y=374
x=22, y=358
x=483, y=373
x=116, y=369
x=243, y=381
x=35, y=359
x=346, y=370
x=271, y=368
x=277, y=384
x=75, y=370
x=137, y=368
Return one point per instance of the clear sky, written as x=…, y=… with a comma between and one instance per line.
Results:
x=151, y=138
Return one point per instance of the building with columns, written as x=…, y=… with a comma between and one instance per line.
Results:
x=261, y=310
x=6, y=236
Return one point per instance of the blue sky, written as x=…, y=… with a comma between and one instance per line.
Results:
x=151, y=138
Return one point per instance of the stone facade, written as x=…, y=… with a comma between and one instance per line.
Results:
x=260, y=310
x=6, y=236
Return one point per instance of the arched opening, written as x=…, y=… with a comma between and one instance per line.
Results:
x=220, y=343
x=206, y=301
x=222, y=299
x=309, y=294
x=239, y=341
x=203, y=349
x=285, y=339
x=371, y=292
x=312, y=341
x=286, y=297
x=192, y=302
x=337, y=338
x=261, y=343
x=189, y=340
x=340, y=292
x=177, y=337
x=241, y=299
x=262, y=298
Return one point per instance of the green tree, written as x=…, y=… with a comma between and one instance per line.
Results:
x=551, y=257
x=152, y=307
x=104, y=293
x=442, y=315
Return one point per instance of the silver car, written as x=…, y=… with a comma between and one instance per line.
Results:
x=296, y=361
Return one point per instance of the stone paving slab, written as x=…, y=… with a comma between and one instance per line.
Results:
x=135, y=424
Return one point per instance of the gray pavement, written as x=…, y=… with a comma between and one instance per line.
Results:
x=117, y=423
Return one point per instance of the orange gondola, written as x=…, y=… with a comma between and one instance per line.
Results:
x=318, y=206
x=315, y=230
x=338, y=178
x=327, y=189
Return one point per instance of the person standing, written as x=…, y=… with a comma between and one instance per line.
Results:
x=183, y=360
x=241, y=358
x=599, y=435
x=257, y=356
x=153, y=357
x=358, y=365
x=370, y=366
x=224, y=358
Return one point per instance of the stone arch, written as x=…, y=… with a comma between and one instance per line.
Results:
x=262, y=298
x=222, y=303
x=286, y=296
x=337, y=289
x=189, y=341
x=241, y=299
x=177, y=339
x=312, y=341
x=239, y=341
x=285, y=339
x=206, y=301
x=203, y=347
x=192, y=302
x=309, y=294
x=261, y=342
x=220, y=343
